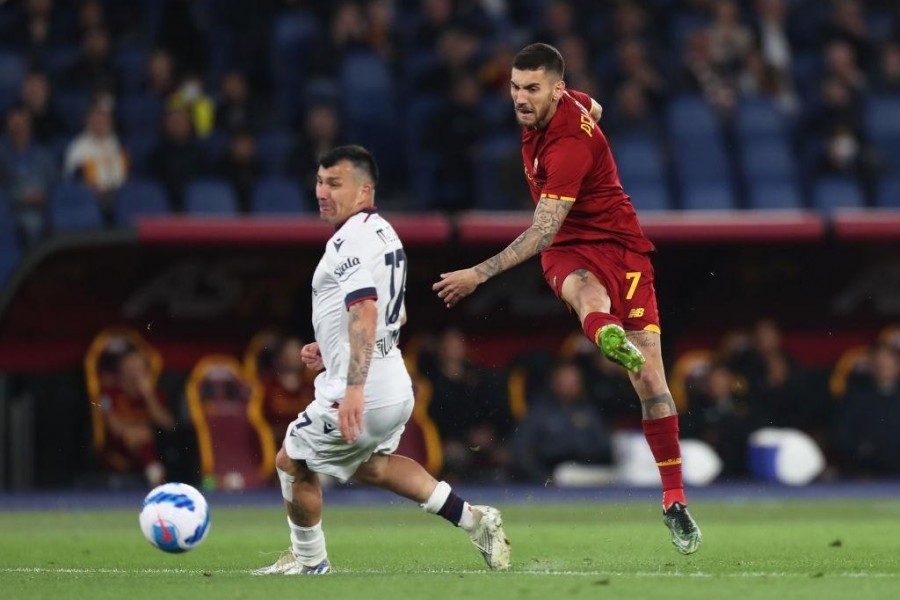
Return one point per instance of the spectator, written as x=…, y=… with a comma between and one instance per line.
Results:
x=453, y=135
x=781, y=392
x=288, y=388
x=762, y=80
x=457, y=50
x=321, y=132
x=848, y=26
x=347, y=31
x=178, y=158
x=635, y=66
x=722, y=419
x=562, y=427
x=888, y=81
x=235, y=110
x=35, y=30
x=866, y=438
x=730, y=39
x=772, y=35
x=437, y=17
x=465, y=408
x=161, y=74
x=184, y=35
x=841, y=63
x=559, y=21
x=135, y=413
x=96, y=157
x=192, y=97
x=46, y=124
x=241, y=166
x=702, y=74
x=27, y=173
x=631, y=112
x=94, y=72
x=845, y=153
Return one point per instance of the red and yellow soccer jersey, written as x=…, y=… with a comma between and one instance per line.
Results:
x=570, y=159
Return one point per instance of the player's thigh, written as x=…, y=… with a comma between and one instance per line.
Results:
x=584, y=292
x=578, y=277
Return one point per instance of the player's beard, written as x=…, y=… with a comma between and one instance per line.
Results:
x=540, y=116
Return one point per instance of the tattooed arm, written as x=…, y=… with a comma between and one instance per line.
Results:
x=548, y=218
x=361, y=323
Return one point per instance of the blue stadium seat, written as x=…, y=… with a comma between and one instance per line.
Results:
x=210, y=197
x=139, y=147
x=882, y=124
x=760, y=118
x=278, y=195
x=702, y=160
x=488, y=189
x=367, y=86
x=293, y=32
x=138, y=198
x=131, y=63
x=708, y=196
x=774, y=195
x=639, y=158
x=767, y=159
x=274, y=148
x=690, y=116
x=649, y=194
x=830, y=193
x=10, y=253
x=72, y=106
x=12, y=70
x=73, y=207
x=889, y=193
x=140, y=113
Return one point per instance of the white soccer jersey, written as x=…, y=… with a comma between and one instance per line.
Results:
x=363, y=259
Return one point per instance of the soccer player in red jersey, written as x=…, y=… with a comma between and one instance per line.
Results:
x=593, y=253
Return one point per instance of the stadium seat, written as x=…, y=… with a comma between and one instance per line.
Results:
x=210, y=197
x=140, y=114
x=757, y=118
x=12, y=70
x=888, y=195
x=131, y=63
x=489, y=190
x=138, y=198
x=274, y=148
x=73, y=207
x=278, y=195
x=10, y=254
x=235, y=443
x=292, y=34
x=830, y=193
x=767, y=159
x=769, y=195
x=691, y=116
x=139, y=148
x=882, y=125
x=639, y=158
x=72, y=106
x=713, y=195
x=702, y=160
x=649, y=194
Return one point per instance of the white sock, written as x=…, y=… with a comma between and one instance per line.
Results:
x=466, y=520
x=438, y=497
x=308, y=544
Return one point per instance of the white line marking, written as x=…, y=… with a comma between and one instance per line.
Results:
x=545, y=573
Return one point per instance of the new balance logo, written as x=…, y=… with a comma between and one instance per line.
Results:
x=636, y=313
x=327, y=428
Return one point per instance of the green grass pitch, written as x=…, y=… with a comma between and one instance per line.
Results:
x=760, y=549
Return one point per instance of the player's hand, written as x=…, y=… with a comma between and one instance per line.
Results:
x=455, y=286
x=350, y=413
x=311, y=357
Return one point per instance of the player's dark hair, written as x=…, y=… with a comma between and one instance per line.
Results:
x=540, y=56
x=358, y=156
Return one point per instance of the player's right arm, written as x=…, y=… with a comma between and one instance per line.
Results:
x=548, y=218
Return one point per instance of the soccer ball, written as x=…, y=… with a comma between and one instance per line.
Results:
x=175, y=517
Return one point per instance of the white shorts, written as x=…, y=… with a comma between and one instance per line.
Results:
x=314, y=437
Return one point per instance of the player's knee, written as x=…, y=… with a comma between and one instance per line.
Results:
x=373, y=471
x=285, y=462
x=649, y=382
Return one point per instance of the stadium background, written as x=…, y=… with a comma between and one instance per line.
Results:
x=763, y=156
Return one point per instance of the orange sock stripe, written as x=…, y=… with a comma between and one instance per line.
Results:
x=669, y=463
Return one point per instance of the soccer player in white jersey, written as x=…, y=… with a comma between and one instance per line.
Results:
x=363, y=394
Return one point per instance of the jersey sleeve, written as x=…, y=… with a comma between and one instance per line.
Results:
x=567, y=163
x=349, y=262
x=582, y=99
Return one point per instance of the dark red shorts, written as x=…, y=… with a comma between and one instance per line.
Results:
x=626, y=275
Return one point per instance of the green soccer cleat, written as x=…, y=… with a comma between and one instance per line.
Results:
x=686, y=535
x=616, y=347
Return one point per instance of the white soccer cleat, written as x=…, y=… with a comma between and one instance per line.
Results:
x=288, y=565
x=490, y=539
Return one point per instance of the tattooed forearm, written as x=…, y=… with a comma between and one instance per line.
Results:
x=658, y=407
x=548, y=218
x=361, y=328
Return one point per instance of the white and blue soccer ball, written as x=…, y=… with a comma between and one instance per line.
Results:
x=175, y=517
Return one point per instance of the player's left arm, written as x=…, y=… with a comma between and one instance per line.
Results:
x=596, y=111
x=361, y=323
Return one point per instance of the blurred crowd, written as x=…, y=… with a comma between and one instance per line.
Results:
x=515, y=423
x=168, y=93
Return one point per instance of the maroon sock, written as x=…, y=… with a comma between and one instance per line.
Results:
x=662, y=436
x=594, y=322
